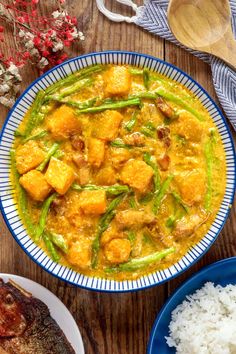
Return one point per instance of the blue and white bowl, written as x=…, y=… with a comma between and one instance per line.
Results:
x=8, y=205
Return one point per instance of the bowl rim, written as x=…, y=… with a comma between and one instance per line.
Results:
x=206, y=249
x=176, y=292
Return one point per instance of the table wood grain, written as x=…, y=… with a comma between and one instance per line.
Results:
x=115, y=323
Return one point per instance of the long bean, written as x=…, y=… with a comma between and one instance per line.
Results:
x=116, y=189
x=131, y=123
x=208, y=151
x=179, y=101
x=50, y=153
x=50, y=247
x=171, y=97
x=79, y=105
x=59, y=241
x=36, y=136
x=118, y=143
x=73, y=78
x=67, y=91
x=113, y=105
x=180, y=201
x=43, y=216
x=34, y=117
x=149, y=130
x=22, y=198
x=140, y=263
x=146, y=78
x=144, y=94
x=103, y=225
x=157, y=180
x=161, y=193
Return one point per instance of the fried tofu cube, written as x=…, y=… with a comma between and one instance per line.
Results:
x=189, y=127
x=118, y=81
x=80, y=255
x=35, y=184
x=93, y=202
x=107, y=125
x=96, y=152
x=192, y=186
x=29, y=156
x=137, y=174
x=63, y=123
x=106, y=176
x=59, y=175
x=118, y=250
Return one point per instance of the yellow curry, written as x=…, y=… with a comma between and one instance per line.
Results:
x=118, y=171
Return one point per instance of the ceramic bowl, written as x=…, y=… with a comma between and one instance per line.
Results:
x=8, y=204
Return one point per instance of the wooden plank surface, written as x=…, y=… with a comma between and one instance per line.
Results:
x=115, y=324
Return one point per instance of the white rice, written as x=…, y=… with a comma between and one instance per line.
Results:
x=205, y=323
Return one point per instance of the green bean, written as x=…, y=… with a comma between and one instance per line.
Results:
x=50, y=247
x=134, y=71
x=112, y=190
x=73, y=78
x=103, y=225
x=208, y=151
x=36, y=136
x=171, y=221
x=171, y=97
x=149, y=130
x=158, y=197
x=22, y=198
x=79, y=105
x=118, y=143
x=146, y=198
x=67, y=91
x=131, y=123
x=113, y=105
x=180, y=201
x=145, y=94
x=179, y=101
x=181, y=139
x=157, y=180
x=58, y=241
x=146, y=78
x=43, y=216
x=18, y=133
x=132, y=202
x=50, y=153
x=34, y=118
x=131, y=236
x=140, y=263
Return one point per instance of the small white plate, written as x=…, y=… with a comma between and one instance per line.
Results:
x=57, y=309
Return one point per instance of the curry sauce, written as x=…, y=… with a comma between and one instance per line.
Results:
x=118, y=171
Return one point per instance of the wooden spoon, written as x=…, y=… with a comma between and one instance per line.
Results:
x=204, y=25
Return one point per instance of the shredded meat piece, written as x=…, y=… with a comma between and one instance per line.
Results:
x=77, y=143
x=79, y=159
x=164, y=162
x=165, y=108
x=163, y=133
x=188, y=225
x=135, y=139
x=133, y=218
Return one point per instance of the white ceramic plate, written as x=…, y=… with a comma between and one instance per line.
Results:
x=57, y=310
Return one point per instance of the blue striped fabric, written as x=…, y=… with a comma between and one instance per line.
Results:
x=154, y=19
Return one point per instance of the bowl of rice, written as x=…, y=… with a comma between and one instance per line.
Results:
x=200, y=317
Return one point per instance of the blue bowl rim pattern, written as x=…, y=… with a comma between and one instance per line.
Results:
x=176, y=292
x=197, y=251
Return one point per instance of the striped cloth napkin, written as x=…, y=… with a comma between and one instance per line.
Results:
x=153, y=17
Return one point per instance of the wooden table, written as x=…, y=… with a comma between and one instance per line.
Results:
x=116, y=324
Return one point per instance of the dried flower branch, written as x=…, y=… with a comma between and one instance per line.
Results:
x=39, y=40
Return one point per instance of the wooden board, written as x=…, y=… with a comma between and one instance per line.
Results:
x=116, y=324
